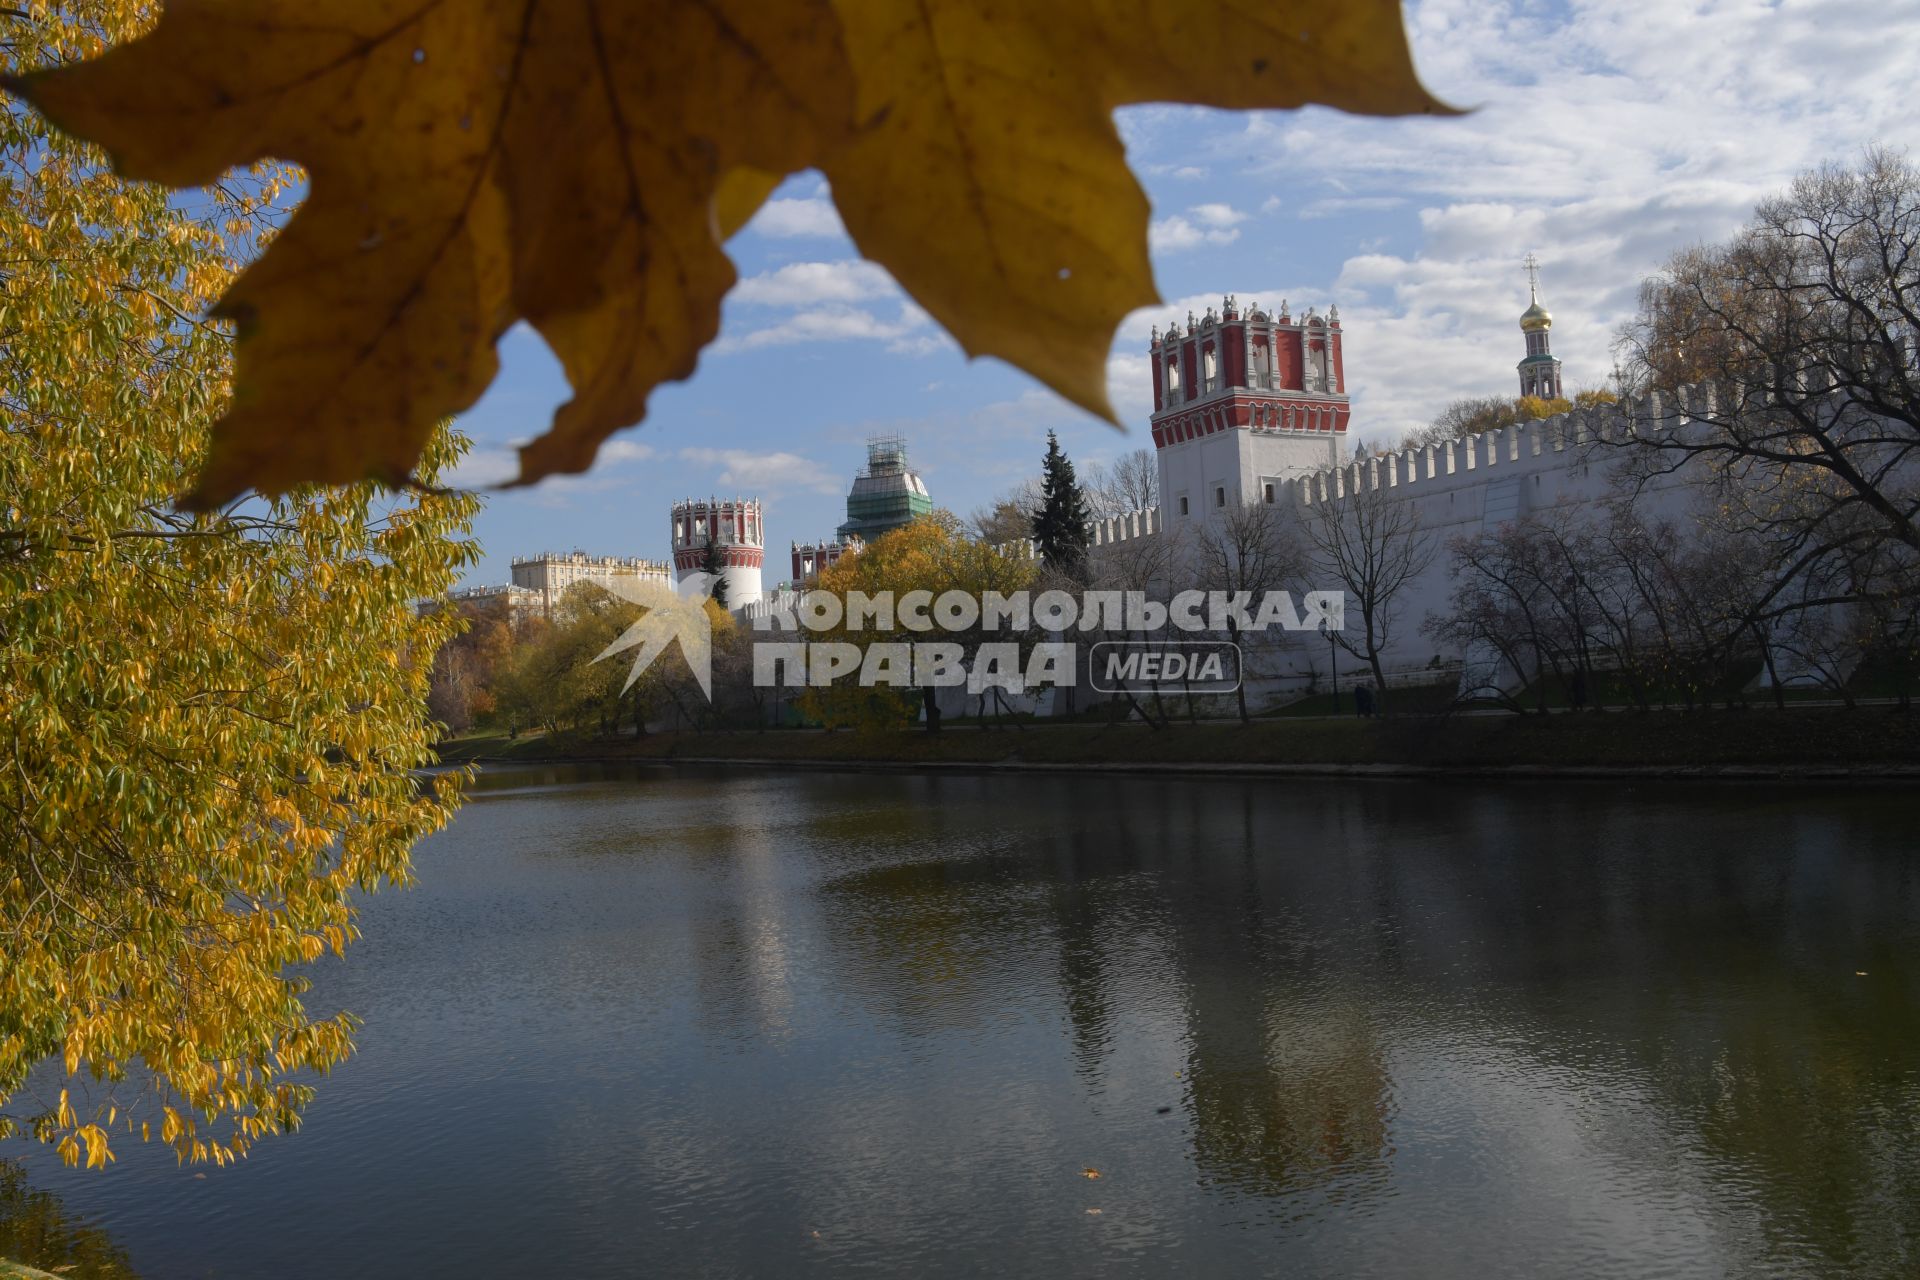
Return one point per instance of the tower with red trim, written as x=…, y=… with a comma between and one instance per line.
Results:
x=1243, y=400
x=734, y=526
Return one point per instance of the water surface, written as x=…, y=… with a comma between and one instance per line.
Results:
x=682, y=1023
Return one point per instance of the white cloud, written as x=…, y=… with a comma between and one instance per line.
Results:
x=822, y=298
x=490, y=467
x=1334, y=206
x=750, y=470
x=789, y=219
x=615, y=452
x=800, y=284
x=482, y=468
x=1210, y=224
x=1605, y=135
x=1217, y=215
x=1130, y=387
x=1137, y=328
x=833, y=323
x=1171, y=235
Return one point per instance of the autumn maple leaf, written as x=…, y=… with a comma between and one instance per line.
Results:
x=577, y=163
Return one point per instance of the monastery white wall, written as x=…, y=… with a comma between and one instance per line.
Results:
x=1569, y=462
x=1237, y=465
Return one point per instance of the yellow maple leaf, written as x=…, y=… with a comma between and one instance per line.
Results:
x=577, y=163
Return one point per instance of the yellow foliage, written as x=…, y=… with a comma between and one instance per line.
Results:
x=928, y=555
x=212, y=720
x=970, y=145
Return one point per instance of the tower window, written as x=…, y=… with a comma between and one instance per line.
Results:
x=1183, y=504
x=1267, y=491
x=1219, y=495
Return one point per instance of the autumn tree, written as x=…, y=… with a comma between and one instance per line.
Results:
x=585, y=692
x=1476, y=414
x=461, y=692
x=214, y=720
x=1782, y=370
x=1008, y=519
x=928, y=555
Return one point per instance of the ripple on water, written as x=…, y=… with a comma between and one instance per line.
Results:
x=646, y=1021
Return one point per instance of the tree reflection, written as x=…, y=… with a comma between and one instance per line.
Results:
x=1684, y=960
x=36, y=1230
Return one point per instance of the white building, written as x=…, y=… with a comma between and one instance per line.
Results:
x=550, y=575
x=1250, y=407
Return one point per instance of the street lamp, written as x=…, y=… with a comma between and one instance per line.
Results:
x=1333, y=668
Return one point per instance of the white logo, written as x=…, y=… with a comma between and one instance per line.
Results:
x=668, y=617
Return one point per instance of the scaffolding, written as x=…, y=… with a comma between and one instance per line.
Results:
x=888, y=494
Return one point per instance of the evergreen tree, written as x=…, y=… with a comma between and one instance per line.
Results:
x=1062, y=528
x=715, y=567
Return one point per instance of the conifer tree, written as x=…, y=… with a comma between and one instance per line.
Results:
x=1062, y=528
x=715, y=567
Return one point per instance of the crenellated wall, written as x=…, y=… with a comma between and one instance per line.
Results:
x=1143, y=523
x=1457, y=489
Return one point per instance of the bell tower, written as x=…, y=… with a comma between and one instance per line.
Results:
x=1539, y=370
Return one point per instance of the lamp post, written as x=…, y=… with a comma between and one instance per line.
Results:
x=1333, y=669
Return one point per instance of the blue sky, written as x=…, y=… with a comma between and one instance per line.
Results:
x=1604, y=136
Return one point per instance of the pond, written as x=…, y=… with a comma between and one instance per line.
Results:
x=639, y=1021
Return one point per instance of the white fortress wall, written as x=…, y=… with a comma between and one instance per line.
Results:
x=1572, y=461
x=1458, y=489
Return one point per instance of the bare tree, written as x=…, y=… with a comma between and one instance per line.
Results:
x=1008, y=518
x=1245, y=552
x=1147, y=567
x=1369, y=544
x=1534, y=595
x=1000, y=524
x=1798, y=338
x=1132, y=483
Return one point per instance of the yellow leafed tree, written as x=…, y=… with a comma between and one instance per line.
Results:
x=210, y=721
x=970, y=145
x=931, y=556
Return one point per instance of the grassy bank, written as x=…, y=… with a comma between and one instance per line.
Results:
x=1798, y=740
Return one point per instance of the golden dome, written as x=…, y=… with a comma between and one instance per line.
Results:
x=1536, y=318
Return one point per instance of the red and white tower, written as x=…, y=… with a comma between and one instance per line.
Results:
x=1242, y=400
x=733, y=527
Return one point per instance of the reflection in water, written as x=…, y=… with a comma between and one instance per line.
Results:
x=750, y=1024
x=36, y=1229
